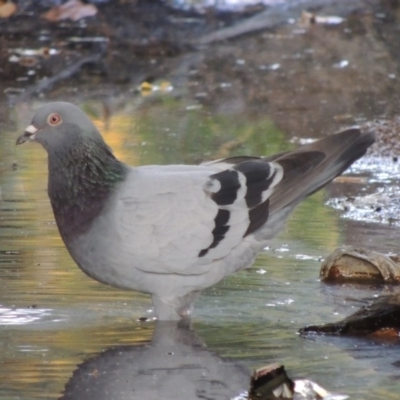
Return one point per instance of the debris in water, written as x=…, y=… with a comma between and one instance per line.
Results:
x=271, y=382
x=356, y=264
x=341, y=64
x=147, y=88
x=364, y=208
x=72, y=9
x=380, y=319
x=30, y=58
x=7, y=8
x=261, y=271
x=307, y=19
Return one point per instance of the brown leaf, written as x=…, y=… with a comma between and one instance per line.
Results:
x=72, y=9
x=7, y=9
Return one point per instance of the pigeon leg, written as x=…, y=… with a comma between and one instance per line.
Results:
x=174, y=309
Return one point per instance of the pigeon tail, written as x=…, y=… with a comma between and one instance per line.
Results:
x=312, y=166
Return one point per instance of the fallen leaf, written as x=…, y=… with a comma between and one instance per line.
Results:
x=360, y=264
x=72, y=9
x=307, y=19
x=361, y=180
x=165, y=86
x=28, y=62
x=7, y=9
x=145, y=88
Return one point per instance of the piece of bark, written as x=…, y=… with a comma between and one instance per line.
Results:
x=380, y=319
x=271, y=382
x=357, y=264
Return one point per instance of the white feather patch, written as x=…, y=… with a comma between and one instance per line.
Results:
x=278, y=171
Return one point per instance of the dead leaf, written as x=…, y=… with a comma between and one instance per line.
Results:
x=307, y=19
x=72, y=9
x=361, y=180
x=360, y=264
x=7, y=8
x=145, y=88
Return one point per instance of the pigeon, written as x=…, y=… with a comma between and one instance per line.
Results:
x=173, y=230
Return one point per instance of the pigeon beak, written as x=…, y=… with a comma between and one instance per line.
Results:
x=28, y=135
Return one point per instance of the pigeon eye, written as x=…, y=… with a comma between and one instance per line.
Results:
x=54, y=119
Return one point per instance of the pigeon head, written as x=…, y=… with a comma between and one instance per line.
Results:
x=60, y=125
x=83, y=172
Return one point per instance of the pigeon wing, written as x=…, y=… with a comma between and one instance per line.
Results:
x=178, y=219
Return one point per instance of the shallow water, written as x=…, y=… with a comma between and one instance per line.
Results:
x=53, y=317
x=61, y=331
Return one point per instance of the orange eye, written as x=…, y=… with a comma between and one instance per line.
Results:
x=54, y=119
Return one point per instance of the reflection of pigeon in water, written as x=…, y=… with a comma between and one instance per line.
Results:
x=173, y=230
x=173, y=366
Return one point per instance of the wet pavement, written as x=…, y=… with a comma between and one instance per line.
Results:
x=62, y=335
